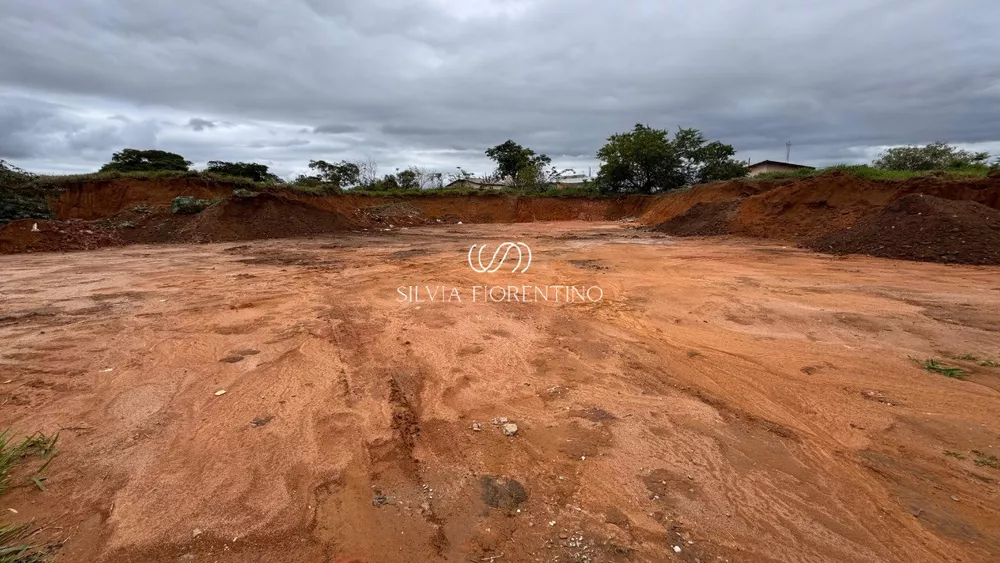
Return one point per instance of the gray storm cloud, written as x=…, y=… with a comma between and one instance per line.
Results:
x=436, y=82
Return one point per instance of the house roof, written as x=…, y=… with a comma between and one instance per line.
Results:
x=778, y=163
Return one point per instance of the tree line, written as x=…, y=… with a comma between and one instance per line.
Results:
x=644, y=160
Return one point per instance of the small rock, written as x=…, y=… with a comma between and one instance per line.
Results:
x=954, y=498
x=261, y=421
x=476, y=427
x=195, y=533
x=502, y=492
x=500, y=420
x=220, y=392
x=509, y=429
x=677, y=549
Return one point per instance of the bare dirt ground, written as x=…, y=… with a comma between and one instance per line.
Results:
x=727, y=400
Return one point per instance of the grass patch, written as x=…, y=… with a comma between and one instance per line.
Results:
x=935, y=366
x=62, y=182
x=986, y=460
x=12, y=536
x=990, y=364
x=12, y=550
x=955, y=455
x=868, y=173
x=966, y=357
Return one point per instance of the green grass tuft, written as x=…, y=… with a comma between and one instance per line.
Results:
x=12, y=536
x=12, y=548
x=935, y=366
x=966, y=357
x=955, y=455
x=990, y=364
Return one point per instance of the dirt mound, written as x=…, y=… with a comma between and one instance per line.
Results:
x=703, y=219
x=925, y=228
x=396, y=213
x=262, y=216
x=18, y=236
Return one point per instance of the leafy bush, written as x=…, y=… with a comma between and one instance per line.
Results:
x=935, y=156
x=134, y=160
x=186, y=205
x=250, y=170
x=243, y=193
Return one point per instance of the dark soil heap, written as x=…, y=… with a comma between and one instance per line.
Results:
x=702, y=219
x=262, y=216
x=925, y=228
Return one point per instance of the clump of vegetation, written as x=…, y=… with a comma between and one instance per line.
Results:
x=935, y=366
x=38, y=444
x=867, y=172
x=141, y=208
x=12, y=536
x=935, y=156
x=188, y=205
x=243, y=193
x=986, y=460
x=252, y=171
x=208, y=178
x=955, y=455
x=990, y=364
x=12, y=548
x=966, y=357
x=646, y=160
x=17, y=201
x=135, y=160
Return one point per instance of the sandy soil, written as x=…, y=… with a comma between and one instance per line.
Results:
x=727, y=400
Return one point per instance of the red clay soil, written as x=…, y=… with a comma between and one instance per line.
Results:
x=105, y=198
x=925, y=228
x=17, y=236
x=799, y=210
x=809, y=209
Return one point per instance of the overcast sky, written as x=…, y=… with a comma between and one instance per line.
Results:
x=435, y=82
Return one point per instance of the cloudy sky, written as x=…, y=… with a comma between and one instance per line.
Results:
x=435, y=82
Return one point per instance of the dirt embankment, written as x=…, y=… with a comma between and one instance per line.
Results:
x=818, y=212
x=127, y=211
x=822, y=212
x=93, y=200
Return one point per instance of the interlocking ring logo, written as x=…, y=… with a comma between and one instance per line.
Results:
x=502, y=252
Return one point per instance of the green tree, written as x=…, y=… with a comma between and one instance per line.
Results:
x=646, y=160
x=512, y=160
x=343, y=174
x=408, y=179
x=251, y=170
x=134, y=160
x=935, y=156
x=643, y=161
